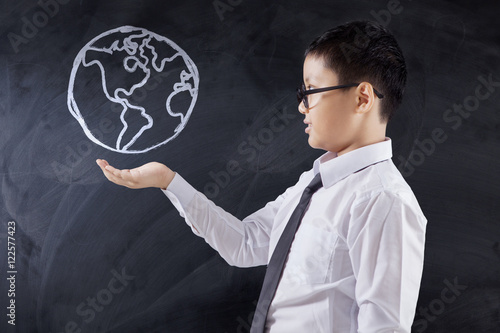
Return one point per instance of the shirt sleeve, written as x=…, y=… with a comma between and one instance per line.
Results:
x=386, y=245
x=242, y=243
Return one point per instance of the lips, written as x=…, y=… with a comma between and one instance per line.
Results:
x=309, y=126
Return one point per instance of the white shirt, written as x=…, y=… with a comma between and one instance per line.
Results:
x=356, y=262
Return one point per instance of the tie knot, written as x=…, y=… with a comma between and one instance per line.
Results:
x=315, y=184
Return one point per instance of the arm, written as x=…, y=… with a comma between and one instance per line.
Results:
x=386, y=245
x=241, y=243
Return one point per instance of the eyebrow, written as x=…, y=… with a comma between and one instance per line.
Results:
x=309, y=79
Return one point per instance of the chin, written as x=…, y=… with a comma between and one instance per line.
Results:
x=314, y=144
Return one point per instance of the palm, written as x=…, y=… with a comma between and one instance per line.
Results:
x=152, y=174
x=147, y=174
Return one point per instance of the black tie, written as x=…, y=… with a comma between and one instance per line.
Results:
x=275, y=266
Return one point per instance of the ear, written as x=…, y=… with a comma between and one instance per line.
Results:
x=365, y=97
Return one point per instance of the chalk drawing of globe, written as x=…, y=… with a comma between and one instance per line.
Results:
x=132, y=90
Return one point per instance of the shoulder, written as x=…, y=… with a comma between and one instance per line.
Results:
x=383, y=186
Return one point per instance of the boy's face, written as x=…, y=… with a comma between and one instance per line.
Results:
x=333, y=124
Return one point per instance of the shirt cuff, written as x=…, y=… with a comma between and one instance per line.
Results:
x=179, y=191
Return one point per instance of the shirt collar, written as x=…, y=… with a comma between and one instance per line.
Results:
x=334, y=168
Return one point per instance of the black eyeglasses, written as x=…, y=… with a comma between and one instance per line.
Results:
x=302, y=92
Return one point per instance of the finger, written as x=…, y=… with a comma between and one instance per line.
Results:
x=132, y=176
x=113, y=170
x=111, y=173
x=112, y=177
x=108, y=173
x=102, y=163
x=119, y=181
x=122, y=174
x=123, y=177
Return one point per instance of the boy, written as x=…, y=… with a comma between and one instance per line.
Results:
x=356, y=257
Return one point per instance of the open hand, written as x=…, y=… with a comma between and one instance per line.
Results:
x=152, y=174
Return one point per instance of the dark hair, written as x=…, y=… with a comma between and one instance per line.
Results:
x=365, y=51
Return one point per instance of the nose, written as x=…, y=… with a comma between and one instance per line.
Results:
x=302, y=108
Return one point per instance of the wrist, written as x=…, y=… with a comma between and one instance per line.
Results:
x=167, y=178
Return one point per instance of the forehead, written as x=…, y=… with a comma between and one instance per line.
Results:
x=315, y=71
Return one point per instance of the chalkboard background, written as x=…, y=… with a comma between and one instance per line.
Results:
x=94, y=257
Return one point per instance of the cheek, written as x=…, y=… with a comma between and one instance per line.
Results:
x=329, y=121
